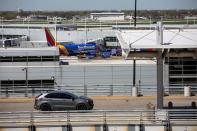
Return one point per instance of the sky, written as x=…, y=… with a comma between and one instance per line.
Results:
x=74, y=5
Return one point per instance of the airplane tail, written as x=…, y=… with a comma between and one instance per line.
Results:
x=51, y=42
x=49, y=37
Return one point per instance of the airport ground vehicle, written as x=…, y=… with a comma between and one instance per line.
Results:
x=62, y=100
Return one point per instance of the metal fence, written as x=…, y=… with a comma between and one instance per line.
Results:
x=91, y=90
x=88, y=80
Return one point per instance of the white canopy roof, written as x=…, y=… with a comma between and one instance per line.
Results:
x=186, y=38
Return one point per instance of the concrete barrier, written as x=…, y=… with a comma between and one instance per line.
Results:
x=50, y=129
x=110, y=128
x=154, y=128
x=133, y=128
x=89, y=128
x=187, y=91
x=135, y=91
x=117, y=128
x=184, y=128
x=14, y=129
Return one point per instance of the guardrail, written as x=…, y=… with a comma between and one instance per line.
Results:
x=98, y=117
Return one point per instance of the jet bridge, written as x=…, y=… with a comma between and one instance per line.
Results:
x=159, y=42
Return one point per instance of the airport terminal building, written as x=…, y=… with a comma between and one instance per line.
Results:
x=41, y=69
x=107, y=16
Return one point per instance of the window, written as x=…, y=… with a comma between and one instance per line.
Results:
x=34, y=83
x=6, y=59
x=19, y=83
x=20, y=59
x=53, y=95
x=48, y=83
x=56, y=58
x=65, y=96
x=182, y=71
x=28, y=58
x=47, y=58
x=7, y=83
x=34, y=58
x=50, y=58
x=31, y=83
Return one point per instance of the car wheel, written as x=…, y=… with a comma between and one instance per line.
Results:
x=81, y=107
x=45, y=107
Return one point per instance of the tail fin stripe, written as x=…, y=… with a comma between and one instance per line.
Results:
x=49, y=37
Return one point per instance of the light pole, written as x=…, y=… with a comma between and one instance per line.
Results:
x=86, y=30
x=26, y=80
x=116, y=23
x=55, y=30
x=2, y=27
x=134, y=61
x=28, y=19
x=150, y=21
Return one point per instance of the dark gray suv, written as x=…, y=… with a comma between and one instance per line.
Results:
x=62, y=100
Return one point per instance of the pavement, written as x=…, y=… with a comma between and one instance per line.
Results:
x=103, y=103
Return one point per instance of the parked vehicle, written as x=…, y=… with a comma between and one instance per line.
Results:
x=62, y=100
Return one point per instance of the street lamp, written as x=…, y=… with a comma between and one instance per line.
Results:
x=134, y=61
x=86, y=30
x=28, y=19
x=26, y=80
x=150, y=21
x=2, y=28
x=55, y=30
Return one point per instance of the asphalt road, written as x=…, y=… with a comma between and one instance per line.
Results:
x=102, y=103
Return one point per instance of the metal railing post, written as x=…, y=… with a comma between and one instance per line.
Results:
x=32, y=127
x=7, y=93
x=68, y=126
x=111, y=90
x=85, y=90
x=105, y=127
x=32, y=91
x=141, y=122
x=168, y=126
x=0, y=91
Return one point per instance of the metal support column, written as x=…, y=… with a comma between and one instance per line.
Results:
x=160, y=89
x=26, y=81
x=160, y=82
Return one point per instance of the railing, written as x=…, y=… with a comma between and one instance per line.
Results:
x=91, y=90
x=90, y=80
x=98, y=117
